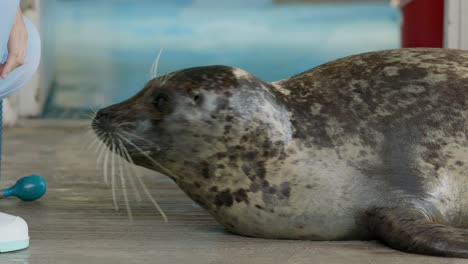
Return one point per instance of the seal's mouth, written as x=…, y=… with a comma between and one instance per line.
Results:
x=118, y=151
x=120, y=138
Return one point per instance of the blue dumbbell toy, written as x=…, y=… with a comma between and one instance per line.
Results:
x=28, y=188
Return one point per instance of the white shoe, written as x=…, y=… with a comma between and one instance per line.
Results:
x=13, y=233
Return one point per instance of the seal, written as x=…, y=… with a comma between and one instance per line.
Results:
x=370, y=146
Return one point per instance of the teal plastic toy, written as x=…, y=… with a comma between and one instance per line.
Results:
x=28, y=188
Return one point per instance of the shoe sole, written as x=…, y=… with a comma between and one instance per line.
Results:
x=13, y=245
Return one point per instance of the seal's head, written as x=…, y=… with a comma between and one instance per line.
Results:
x=182, y=120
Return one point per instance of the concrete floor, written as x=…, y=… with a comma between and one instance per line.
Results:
x=76, y=223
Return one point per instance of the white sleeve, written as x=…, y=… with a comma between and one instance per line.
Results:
x=20, y=75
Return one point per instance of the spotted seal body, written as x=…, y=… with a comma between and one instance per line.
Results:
x=371, y=146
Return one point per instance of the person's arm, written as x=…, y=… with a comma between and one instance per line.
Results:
x=17, y=45
x=8, y=11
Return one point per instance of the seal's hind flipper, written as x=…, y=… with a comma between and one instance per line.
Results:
x=413, y=231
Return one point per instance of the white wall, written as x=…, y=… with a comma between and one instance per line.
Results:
x=456, y=24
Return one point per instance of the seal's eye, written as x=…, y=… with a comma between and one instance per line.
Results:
x=198, y=99
x=161, y=101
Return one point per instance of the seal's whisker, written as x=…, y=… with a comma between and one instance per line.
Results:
x=100, y=134
x=124, y=186
x=92, y=119
x=167, y=77
x=86, y=131
x=163, y=79
x=92, y=116
x=100, y=156
x=148, y=194
x=93, y=110
x=143, y=186
x=101, y=152
x=93, y=126
x=87, y=134
x=154, y=67
x=97, y=132
x=90, y=142
x=138, y=137
x=106, y=159
x=113, y=184
x=90, y=124
x=114, y=150
x=93, y=143
x=124, y=123
x=99, y=145
x=151, y=159
x=128, y=172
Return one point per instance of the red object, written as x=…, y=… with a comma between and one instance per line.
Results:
x=423, y=24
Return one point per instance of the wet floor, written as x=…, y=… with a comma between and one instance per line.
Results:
x=75, y=222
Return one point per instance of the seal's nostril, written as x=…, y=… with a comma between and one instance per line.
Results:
x=103, y=115
x=103, y=120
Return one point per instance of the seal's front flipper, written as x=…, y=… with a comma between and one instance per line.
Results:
x=412, y=230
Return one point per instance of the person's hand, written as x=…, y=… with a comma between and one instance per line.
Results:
x=17, y=46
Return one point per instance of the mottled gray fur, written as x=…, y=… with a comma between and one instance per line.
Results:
x=368, y=146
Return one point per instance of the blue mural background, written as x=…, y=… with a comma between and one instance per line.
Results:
x=104, y=49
